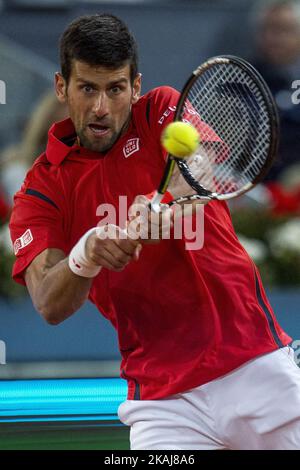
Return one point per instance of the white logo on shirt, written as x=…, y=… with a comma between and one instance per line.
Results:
x=131, y=146
x=23, y=241
x=168, y=111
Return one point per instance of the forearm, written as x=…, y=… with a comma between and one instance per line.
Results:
x=59, y=286
x=59, y=293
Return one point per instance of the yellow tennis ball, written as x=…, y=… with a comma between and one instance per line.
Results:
x=180, y=139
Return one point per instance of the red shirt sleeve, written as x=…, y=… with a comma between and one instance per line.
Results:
x=36, y=223
x=162, y=108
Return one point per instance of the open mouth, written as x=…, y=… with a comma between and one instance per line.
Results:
x=98, y=130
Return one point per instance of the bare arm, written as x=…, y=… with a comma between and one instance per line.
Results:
x=56, y=291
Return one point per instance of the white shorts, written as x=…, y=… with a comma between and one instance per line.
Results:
x=257, y=406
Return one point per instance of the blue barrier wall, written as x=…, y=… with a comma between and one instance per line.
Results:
x=89, y=336
x=86, y=335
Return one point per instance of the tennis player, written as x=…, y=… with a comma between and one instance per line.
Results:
x=207, y=364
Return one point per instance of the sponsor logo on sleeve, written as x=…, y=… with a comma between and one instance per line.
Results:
x=167, y=112
x=23, y=241
x=131, y=146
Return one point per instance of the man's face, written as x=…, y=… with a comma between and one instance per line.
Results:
x=279, y=36
x=99, y=101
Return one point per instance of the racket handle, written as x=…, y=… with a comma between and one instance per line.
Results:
x=155, y=202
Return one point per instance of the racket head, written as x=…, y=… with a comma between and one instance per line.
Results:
x=233, y=109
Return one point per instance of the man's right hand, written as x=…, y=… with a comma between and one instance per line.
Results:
x=111, y=248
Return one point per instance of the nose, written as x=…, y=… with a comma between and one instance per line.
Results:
x=100, y=107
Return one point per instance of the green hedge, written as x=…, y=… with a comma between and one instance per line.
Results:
x=280, y=265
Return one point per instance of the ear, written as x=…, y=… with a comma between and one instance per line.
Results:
x=60, y=87
x=136, y=89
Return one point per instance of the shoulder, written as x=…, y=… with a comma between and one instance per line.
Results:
x=164, y=92
x=156, y=105
x=43, y=184
x=159, y=95
x=40, y=172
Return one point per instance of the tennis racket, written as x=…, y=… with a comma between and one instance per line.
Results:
x=232, y=108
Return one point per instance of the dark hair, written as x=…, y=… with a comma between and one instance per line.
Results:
x=99, y=39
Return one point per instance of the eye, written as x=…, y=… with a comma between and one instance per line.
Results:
x=87, y=89
x=115, y=90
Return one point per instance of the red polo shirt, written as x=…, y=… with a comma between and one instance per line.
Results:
x=183, y=317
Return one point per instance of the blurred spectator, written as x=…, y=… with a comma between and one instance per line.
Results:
x=277, y=58
x=17, y=159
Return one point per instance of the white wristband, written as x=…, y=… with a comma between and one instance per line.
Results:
x=78, y=261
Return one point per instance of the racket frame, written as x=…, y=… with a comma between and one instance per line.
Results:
x=202, y=193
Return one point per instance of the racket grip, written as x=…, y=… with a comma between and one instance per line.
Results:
x=157, y=198
x=155, y=202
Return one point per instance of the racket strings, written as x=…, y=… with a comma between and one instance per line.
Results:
x=228, y=109
x=228, y=120
x=236, y=142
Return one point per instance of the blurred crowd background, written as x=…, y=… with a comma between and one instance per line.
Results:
x=174, y=37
